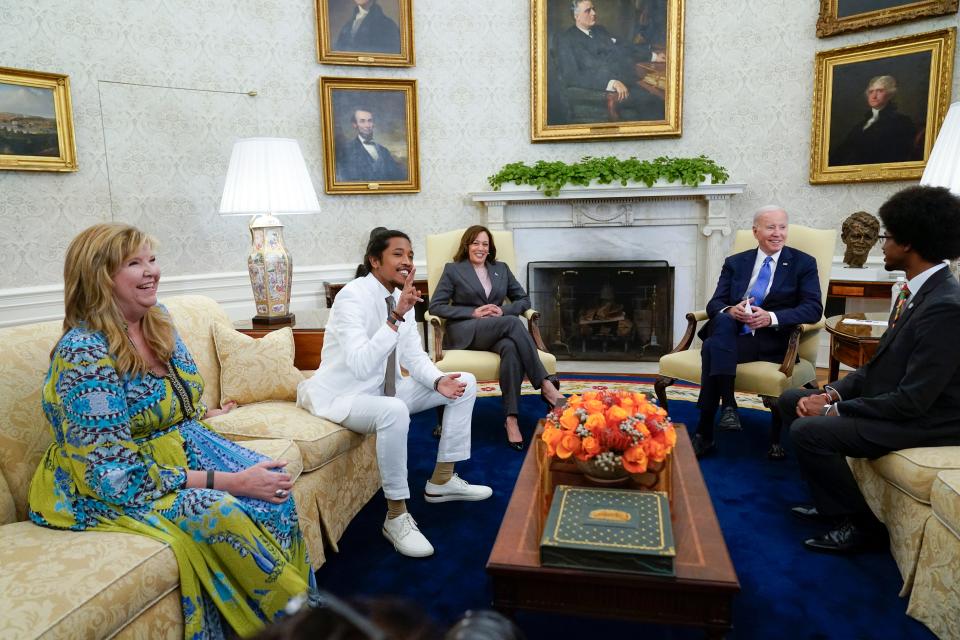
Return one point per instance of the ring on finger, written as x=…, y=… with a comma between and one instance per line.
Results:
x=280, y=493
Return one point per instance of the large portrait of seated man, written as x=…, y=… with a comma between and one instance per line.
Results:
x=606, y=68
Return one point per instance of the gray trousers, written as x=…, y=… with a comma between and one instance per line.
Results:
x=507, y=337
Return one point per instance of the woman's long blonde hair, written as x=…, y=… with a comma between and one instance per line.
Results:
x=93, y=257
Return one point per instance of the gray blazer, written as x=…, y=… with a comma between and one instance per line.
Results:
x=459, y=292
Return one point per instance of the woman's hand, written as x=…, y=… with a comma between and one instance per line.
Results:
x=487, y=310
x=260, y=482
x=226, y=407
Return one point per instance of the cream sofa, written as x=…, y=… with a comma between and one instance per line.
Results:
x=65, y=584
x=916, y=494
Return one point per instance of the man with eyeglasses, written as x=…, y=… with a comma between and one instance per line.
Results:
x=908, y=395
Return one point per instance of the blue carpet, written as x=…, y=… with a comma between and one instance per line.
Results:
x=786, y=591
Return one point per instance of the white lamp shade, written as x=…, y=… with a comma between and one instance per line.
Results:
x=268, y=175
x=943, y=167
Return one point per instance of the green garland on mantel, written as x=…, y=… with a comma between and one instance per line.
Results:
x=549, y=177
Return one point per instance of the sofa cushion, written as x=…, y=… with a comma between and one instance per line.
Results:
x=194, y=317
x=319, y=440
x=945, y=500
x=254, y=370
x=8, y=512
x=280, y=450
x=914, y=470
x=79, y=584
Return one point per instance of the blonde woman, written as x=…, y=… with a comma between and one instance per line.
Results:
x=130, y=452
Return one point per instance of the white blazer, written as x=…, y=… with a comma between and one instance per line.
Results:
x=356, y=344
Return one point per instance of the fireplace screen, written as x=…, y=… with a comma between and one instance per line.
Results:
x=604, y=310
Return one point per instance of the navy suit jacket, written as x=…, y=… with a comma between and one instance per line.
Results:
x=377, y=33
x=908, y=395
x=459, y=292
x=794, y=295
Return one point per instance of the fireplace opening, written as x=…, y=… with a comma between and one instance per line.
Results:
x=619, y=310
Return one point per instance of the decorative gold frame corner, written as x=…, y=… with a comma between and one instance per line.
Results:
x=941, y=46
x=66, y=160
x=671, y=125
x=327, y=55
x=830, y=24
x=329, y=85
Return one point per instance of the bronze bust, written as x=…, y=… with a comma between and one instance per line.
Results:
x=859, y=232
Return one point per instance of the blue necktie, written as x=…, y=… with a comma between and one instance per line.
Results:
x=759, y=290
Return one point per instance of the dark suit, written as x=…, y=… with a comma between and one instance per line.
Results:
x=355, y=164
x=377, y=33
x=794, y=297
x=889, y=139
x=908, y=395
x=590, y=62
x=458, y=293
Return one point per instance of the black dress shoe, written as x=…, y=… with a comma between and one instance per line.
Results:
x=776, y=452
x=516, y=446
x=729, y=420
x=809, y=513
x=702, y=448
x=848, y=538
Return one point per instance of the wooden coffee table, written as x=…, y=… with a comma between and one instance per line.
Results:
x=701, y=594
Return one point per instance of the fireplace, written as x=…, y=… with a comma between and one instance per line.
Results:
x=604, y=310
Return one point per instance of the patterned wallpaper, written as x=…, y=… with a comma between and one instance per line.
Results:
x=159, y=94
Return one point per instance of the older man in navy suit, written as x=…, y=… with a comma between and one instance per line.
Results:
x=762, y=294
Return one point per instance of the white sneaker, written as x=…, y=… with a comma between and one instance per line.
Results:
x=402, y=531
x=456, y=488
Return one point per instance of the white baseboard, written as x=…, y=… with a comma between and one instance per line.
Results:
x=230, y=289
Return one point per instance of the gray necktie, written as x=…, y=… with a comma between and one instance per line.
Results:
x=390, y=376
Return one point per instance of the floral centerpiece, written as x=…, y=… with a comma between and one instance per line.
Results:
x=610, y=434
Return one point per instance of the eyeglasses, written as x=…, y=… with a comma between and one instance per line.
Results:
x=885, y=236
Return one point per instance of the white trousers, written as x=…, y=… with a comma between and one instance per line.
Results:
x=389, y=418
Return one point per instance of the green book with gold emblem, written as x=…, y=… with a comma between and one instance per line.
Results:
x=609, y=530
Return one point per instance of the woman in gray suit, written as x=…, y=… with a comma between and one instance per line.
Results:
x=481, y=300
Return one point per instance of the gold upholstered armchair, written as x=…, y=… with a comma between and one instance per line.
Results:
x=485, y=365
x=766, y=379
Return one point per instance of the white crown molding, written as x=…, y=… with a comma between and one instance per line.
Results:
x=230, y=289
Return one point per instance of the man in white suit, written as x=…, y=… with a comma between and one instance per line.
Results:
x=370, y=333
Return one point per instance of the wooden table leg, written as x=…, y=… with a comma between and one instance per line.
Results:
x=834, y=372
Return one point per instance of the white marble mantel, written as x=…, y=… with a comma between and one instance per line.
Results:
x=687, y=226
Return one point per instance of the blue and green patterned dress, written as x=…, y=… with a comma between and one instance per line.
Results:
x=118, y=462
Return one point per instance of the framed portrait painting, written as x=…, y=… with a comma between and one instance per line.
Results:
x=369, y=135
x=839, y=16
x=36, y=121
x=365, y=32
x=605, y=69
x=877, y=107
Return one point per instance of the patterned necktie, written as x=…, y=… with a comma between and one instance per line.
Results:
x=759, y=290
x=901, y=303
x=390, y=375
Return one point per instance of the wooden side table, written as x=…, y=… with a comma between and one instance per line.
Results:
x=307, y=336
x=853, y=344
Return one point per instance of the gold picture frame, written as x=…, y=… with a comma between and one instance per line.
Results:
x=383, y=37
x=877, y=107
x=369, y=135
x=36, y=121
x=839, y=16
x=639, y=40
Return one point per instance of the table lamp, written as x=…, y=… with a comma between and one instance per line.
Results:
x=943, y=167
x=267, y=177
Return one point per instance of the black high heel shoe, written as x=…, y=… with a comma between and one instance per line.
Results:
x=562, y=402
x=516, y=446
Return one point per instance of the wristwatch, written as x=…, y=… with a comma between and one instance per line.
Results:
x=392, y=319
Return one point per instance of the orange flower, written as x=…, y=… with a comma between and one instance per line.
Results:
x=589, y=448
x=635, y=460
x=654, y=449
x=569, y=445
x=569, y=420
x=552, y=437
x=590, y=395
x=595, y=421
x=670, y=436
x=594, y=406
x=616, y=415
